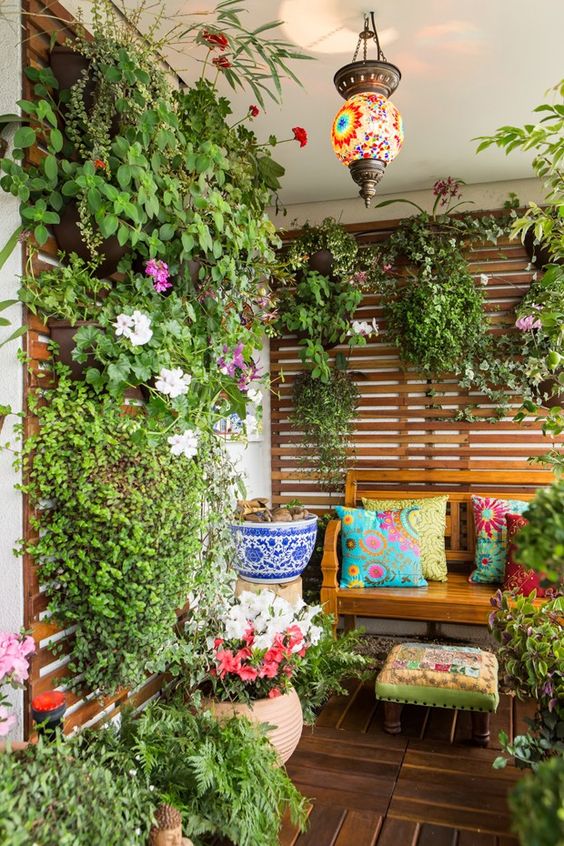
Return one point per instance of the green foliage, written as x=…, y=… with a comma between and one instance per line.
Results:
x=531, y=658
x=224, y=778
x=540, y=544
x=63, y=793
x=69, y=291
x=323, y=413
x=119, y=528
x=537, y=805
x=320, y=307
x=546, y=223
x=322, y=670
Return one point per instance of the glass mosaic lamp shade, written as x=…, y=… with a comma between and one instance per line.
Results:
x=367, y=132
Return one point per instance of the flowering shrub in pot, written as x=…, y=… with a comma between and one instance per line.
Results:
x=258, y=646
x=15, y=651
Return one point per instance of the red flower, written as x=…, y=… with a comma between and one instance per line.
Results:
x=100, y=164
x=300, y=135
x=248, y=673
x=227, y=663
x=221, y=62
x=215, y=39
x=217, y=642
x=274, y=693
x=254, y=111
x=269, y=670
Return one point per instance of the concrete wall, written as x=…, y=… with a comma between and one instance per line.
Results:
x=487, y=195
x=11, y=374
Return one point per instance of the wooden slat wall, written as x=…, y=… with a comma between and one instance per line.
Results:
x=40, y=20
x=398, y=425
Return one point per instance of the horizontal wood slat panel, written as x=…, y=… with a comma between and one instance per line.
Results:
x=404, y=420
x=41, y=20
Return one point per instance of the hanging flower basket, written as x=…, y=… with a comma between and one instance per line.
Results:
x=69, y=239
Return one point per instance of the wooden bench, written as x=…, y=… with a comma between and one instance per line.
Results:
x=453, y=601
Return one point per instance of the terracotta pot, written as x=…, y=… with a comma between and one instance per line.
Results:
x=62, y=332
x=69, y=240
x=283, y=712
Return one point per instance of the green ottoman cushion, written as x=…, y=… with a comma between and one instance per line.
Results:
x=444, y=676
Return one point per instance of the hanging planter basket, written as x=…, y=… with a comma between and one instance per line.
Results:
x=62, y=333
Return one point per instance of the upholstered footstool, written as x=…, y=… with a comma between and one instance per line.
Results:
x=441, y=676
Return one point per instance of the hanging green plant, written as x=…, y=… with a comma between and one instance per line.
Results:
x=319, y=302
x=324, y=412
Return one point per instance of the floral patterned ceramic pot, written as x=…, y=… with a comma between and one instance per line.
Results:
x=283, y=713
x=274, y=553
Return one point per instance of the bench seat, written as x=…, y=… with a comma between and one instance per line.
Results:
x=453, y=601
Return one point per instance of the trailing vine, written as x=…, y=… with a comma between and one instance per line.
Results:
x=324, y=412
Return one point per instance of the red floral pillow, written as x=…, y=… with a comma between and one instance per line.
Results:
x=517, y=578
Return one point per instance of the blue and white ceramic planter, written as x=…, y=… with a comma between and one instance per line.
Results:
x=273, y=553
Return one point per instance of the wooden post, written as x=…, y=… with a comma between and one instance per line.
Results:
x=330, y=569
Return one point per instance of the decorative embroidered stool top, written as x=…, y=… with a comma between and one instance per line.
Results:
x=445, y=676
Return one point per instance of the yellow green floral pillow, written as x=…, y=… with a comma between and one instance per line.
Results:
x=432, y=519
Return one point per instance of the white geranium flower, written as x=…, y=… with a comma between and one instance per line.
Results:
x=174, y=383
x=315, y=633
x=254, y=396
x=123, y=325
x=184, y=444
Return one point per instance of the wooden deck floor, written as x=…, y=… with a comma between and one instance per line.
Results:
x=427, y=787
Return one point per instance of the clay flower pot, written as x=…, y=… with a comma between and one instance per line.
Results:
x=284, y=713
x=63, y=332
x=547, y=387
x=322, y=261
x=67, y=66
x=69, y=239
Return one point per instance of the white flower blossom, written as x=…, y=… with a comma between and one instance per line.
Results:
x=484, y=278
x=254, y=396
x=123, y=324
x=184, y=444
x=251, y=424
x=174, y=383
x=364, y=328
x=136, y=327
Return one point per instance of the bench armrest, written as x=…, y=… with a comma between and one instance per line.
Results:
x=330, y=560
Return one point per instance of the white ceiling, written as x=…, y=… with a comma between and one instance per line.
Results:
x=468, y=66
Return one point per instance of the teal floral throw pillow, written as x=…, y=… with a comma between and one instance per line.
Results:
x=380, y=548
x=491, y=536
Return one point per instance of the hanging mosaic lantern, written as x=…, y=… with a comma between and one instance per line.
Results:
x=367, y=132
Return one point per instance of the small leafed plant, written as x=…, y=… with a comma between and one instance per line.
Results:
x=531, y=657
x=537, y=805
x=65, y=793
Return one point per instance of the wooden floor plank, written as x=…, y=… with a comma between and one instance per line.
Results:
x=398, y=833
x=333, y=711
x=360, y=828
x=437, y=835
x=358, y=717
x=324, y=825
x=426, y=787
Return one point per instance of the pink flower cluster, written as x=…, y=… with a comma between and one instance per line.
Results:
x=260, y=642
x=250, y=665
x=447, y=189
x=160, y=273
x=14, y=670
x=529, y=322
x=234, y=365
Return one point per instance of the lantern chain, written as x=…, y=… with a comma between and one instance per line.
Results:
x=365, y=36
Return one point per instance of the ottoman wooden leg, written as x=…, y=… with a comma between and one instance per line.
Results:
x=392, y=717
x=480, y=728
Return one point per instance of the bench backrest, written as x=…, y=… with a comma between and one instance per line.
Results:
x=459, y=485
